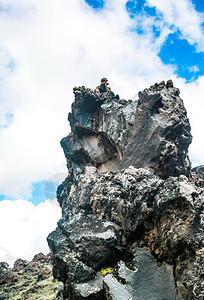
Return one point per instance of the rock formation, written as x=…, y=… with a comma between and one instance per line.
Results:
x=132, y=213
x=100, y=130
x=30, y=280
x=161, y=133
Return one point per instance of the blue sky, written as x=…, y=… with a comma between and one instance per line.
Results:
x=199, y=5
x=48, y=48
x=176, y=50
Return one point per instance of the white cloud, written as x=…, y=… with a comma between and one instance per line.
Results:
x=25, y=227
x=183, y=15
x=192, y=94
x=194, y=69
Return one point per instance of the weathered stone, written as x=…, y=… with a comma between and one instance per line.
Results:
x=20, y=264
x=197, y=176
x=130, y=203
x=148, y=281
x=199, y=170
x=100, y=130
x=45, y=273
x=115, y=290
x=6, y=275
x=92, y=289
x=30, y=280
x=40, y=257
x=145, y=209
x=161, y=133
x=90, y=243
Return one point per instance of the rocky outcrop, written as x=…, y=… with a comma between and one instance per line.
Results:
x=132, y=213
x=100, y=131
x=30, y=280
x=161, y=133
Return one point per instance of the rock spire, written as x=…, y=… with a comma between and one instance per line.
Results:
x=132, y=213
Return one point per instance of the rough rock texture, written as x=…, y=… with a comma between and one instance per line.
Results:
x=100, y=130
x=161, y=133
x=134, y=232
x=30, y=280
x=197, y=176
x=199, y=171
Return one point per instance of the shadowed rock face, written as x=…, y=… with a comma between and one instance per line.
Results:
x=100, y=130
x=129, y=201
x=161, y=133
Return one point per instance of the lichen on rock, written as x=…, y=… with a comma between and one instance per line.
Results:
x=31, y=280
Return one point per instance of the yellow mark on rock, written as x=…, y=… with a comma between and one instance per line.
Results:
x=106, y=271
x=72, y=189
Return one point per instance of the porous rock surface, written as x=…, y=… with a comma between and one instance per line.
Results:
x=100, y=131
x=161, y=133
x=130, y=206
x=31, y=280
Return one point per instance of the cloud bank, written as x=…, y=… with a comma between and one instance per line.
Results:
x=24, y=228
x=183, y=16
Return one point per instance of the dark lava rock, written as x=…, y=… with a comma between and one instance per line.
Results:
x=132, y=212
x=199, y=170
x=197, y=176
x=98, y=135
x=161, y=133
x=150, y=281
x=6, y=276
x=40, y=257
x=19, y=265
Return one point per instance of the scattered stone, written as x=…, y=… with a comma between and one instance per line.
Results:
x=45, y=273
x=6, y=276
x=19, y=265
x=30, y=280
x=39, y=257
x=197, y=176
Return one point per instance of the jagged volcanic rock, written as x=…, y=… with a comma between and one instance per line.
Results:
x=100, y=130
x=161, y=133
x=141, y=225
